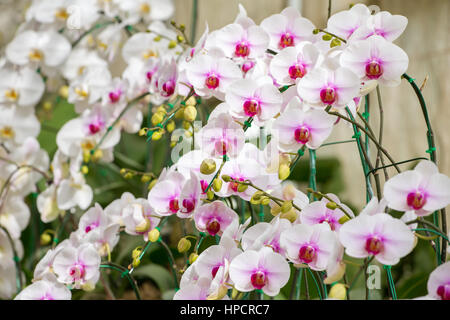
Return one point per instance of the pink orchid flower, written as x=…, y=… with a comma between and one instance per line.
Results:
x=260, y=270
x=345, y=23
x=326, y=87
x=384, y=24
x=297, y=127
x=211, y=74
x=312, y=245
x=190, y=197
x=439, y=282
x=248, y=42
x=222, y=136
x=376, y=59
x=164, y=197
x=252, y=98
x=293, y=63
x=380, y=235
x=214, y=217
x=287, y=29
x=422, y=190
x=78, y=266
x=46, y=289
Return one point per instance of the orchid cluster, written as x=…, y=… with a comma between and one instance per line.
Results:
x=280, y=88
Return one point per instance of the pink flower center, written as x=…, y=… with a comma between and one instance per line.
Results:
x=247, y=66
x=47, y=296
x=213, y=226
x=168, y=88
x=77, y=271
x=114, y=96
x=95, y=127
x=328, y=95
x=297, y=71
x=374, y=245
x=331, y=222
x=286, y=40
x=374, y=70
x=173, y=205
x=242, y=49
x=259, y=279
x=204, y=185
x=234, y=185
x=302, y=134
x=307, y=253
x=212, y=81
x=251, y=107
x=221, y=147
x=214, y=271
x=189, y=205
x=443, y=291
x=416, y=200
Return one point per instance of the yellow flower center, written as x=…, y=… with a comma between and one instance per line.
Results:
x=36, y=55
x=11, y=95
x=7, y=132
x=145, y=8
x=61, y=14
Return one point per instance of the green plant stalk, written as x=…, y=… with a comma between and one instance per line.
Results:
x=124, y=273
x=432, y=151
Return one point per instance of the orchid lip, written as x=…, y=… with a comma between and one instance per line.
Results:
x=213, y=226
x=374, y=245
x=328, y=95
x=251, y=107
x=302, y=134
x=242, y=49
x=374, y=69
x=259, y=279
x=416, y=199
x=212, y=81
x=307, y=253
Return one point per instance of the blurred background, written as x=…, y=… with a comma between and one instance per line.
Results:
x=425, y=40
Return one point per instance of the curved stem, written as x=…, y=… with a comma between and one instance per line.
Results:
x=125, y=273
x=19, y=281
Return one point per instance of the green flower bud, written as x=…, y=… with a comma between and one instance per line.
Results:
x=183, y=245
x=208, y=166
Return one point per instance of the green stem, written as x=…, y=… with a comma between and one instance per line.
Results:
x=432, y=151
x=124, y=273
x=194, y=20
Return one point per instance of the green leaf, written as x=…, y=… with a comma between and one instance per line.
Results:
x=161, y=276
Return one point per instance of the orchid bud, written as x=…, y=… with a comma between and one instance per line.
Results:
x=190, y=113
x=143, y=132
x=331, y=205
x=128, y=175
x=265, y=200
x=180, y=39
x=191, y=101
x=316, y=31
x=157, y=38
x=143, y=226
x=157, y=118
x=210, y=194
x=136, y=252
x=153, y=235
x=152, y=184
x=217, y=185
x=291, y=215
x=157, y=135
x=286, y=206
x=45, y=239
x=275, y=210
x=47, y=106
x=145, y=178
x=179, y=114
x=226, y=178
x=343, y=219
x=183, y=245
x=186, y=126
x=84, y=169
x=283, y=172
x=170, y=126
x=136, y=262
x=208, y=166
x=64, y=92
x=326, y=37
x=335, y=42
x=338, y=291
x=192, y=257
x=242, y=187
x=98, y=154
x=172, y=44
